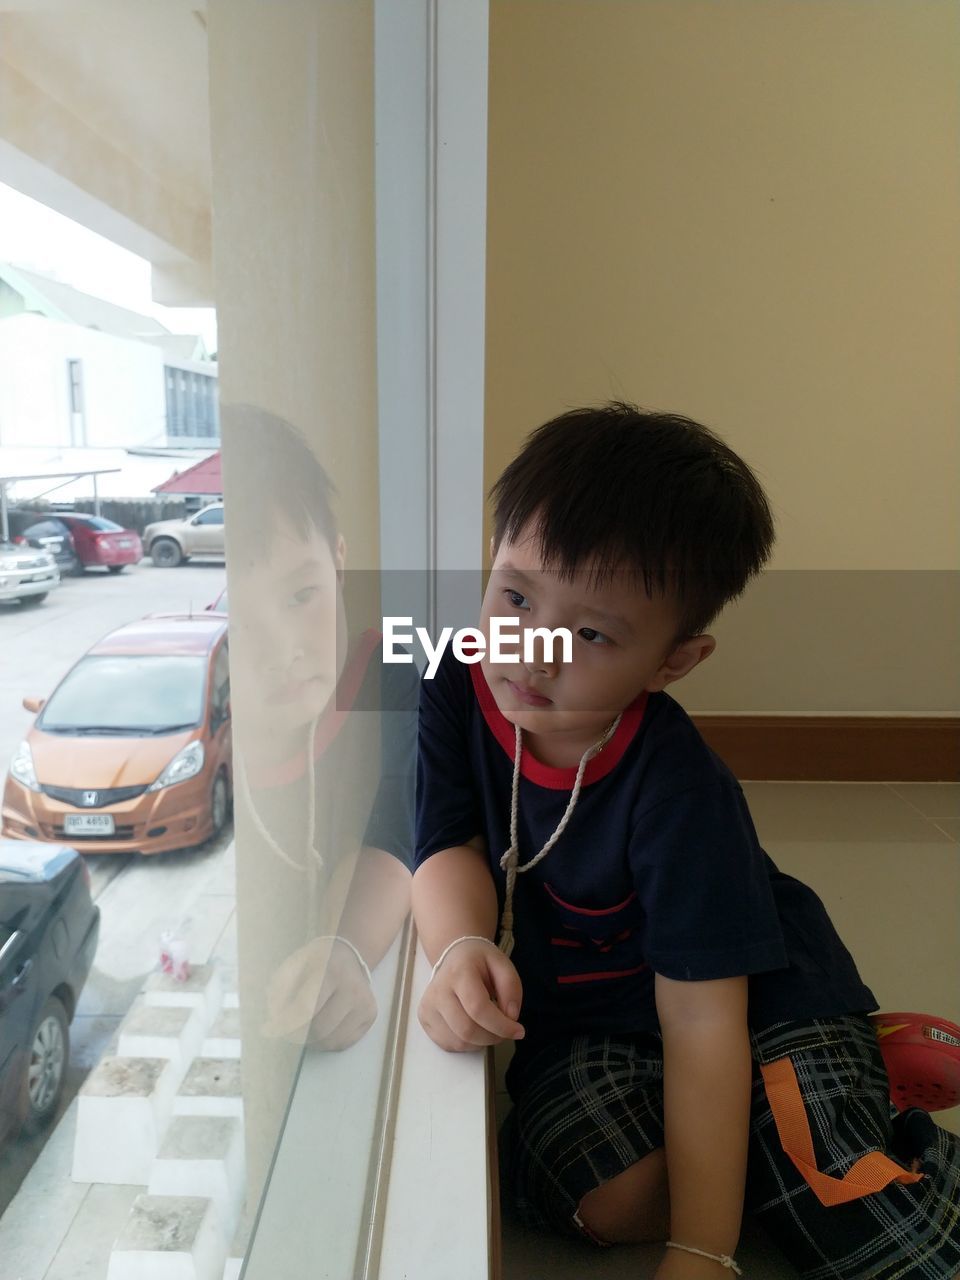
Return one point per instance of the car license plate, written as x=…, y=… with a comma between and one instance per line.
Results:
x=125, y=542
x=88, y=824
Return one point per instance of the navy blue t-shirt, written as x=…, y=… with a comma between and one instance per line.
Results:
x=659, y=869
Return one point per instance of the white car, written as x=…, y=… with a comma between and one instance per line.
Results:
x=26, y=574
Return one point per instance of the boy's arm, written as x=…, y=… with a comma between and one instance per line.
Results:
x=320, y=993
x=377, y=903
x=454, y=896
x=466, y=1006
x=706, y=1083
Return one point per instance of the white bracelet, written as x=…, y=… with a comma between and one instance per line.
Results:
x=338, y=937
x=722, y=1258
x=470, y=937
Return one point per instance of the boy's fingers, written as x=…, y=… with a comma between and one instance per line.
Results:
x=458, y=1031
x=475, y=999
x=507, y=985
x=436, y=1028
x=464, y=1030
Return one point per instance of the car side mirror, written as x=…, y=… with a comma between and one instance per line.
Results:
x=34, y=704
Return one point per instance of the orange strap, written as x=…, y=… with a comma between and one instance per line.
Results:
x=872, y=1172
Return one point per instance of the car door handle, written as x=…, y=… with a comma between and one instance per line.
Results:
x=20, y=977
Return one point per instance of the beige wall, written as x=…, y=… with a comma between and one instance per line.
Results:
x=749, y=213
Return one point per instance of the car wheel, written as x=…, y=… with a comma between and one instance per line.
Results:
x=166, y=553
x=116, y=568
x=46, y=1071
x=219, y=805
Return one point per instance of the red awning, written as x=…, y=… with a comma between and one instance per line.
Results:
x=202, y=477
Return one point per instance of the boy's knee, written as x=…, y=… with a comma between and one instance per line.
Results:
x=633, y=1207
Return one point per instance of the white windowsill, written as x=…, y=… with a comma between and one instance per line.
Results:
x=438, y=1201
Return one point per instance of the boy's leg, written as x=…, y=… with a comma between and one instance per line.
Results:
x=582, y=1147
x=633, y=1207
x=902, y=1230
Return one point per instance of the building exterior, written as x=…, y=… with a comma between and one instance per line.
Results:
x=78, y=372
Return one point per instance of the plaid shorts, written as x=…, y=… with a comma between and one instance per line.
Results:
x=585, y=1109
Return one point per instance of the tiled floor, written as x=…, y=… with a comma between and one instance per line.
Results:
x=885, y=859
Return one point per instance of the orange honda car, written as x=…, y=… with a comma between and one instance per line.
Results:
x=132, y=751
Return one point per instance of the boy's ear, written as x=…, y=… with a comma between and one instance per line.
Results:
x=493, y=548
x=681, y=661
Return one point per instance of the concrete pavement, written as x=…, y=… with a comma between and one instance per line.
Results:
x=58, y=1229
x=39, y=643
x=138, y=898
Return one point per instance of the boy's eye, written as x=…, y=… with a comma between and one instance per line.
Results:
x=517, y=599
x=593, y=637
x=304, y=595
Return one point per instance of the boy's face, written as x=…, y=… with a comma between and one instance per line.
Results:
x=288, y=631
x=621, y=646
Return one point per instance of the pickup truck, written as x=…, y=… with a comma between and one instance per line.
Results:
x=171, y=542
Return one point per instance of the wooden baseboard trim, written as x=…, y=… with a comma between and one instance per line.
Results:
x=836, y=748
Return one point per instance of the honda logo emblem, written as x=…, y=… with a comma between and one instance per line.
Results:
x=90, y=798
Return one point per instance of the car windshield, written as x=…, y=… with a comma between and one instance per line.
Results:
x=144, y=693
x=102, y=525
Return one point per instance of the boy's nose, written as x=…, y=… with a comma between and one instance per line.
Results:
x=535, y=658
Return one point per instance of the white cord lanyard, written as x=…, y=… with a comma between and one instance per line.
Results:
x=312, y=853
x=511, y=858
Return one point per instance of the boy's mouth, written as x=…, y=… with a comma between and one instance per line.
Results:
x=295, y=689
x=527, y=695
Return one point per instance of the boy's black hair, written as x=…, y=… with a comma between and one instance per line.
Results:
x=655, y=494
x=279, y=479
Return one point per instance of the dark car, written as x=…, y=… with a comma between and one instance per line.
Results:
x=48, y=936
x=99, y=541
x=46, y=531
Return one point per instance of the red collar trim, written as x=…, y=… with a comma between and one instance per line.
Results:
x=545, y=775
x=333, y=718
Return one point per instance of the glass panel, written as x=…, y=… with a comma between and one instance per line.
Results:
x=324, y=732
x=242, y=135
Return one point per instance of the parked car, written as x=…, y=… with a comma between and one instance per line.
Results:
x=132, y=751
x=170, y=542
x=47, y=532
x=102, y=542
x=26, y=574
x=48, y=937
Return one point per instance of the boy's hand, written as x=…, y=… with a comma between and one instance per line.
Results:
x=320, y=995
x=474, y=999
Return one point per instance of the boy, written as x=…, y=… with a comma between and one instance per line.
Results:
x=668, y=977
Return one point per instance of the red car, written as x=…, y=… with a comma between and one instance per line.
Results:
x=102, y=542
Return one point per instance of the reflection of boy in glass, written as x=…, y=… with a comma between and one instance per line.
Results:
x=328, y=789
